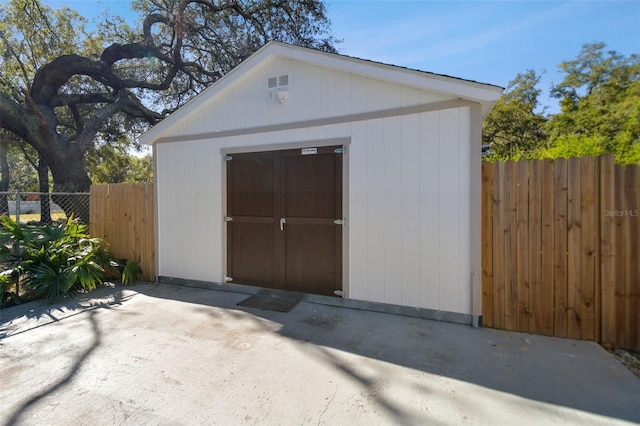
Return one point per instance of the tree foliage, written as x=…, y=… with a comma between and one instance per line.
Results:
x=63, y=88
x=600, y=101
x=514, y=129
x=600, y=111
x=114, y=164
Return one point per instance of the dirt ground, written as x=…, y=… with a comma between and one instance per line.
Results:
x=630, y=359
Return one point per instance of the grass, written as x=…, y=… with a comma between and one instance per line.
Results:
x=35, y=217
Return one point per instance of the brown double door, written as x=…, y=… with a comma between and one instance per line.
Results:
x=282, y=208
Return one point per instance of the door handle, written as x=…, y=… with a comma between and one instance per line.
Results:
x=282, y=222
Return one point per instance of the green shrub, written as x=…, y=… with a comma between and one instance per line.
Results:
x=52, y=261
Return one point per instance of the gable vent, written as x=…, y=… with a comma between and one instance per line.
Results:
x=278, y=88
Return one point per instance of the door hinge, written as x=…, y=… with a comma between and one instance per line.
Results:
x=228, y=279
x=341, y=150
x=339, y=222
x=228, y=158
x=228, y=219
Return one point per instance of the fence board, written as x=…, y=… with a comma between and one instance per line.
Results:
x=573, y=249
x=608, y=250
x=565, y=249
x=499, y=276
x=122, y=214
x=561, y=189
x=487, y=245
x=587, y=248
x=510, y=247
x=633, y=196
x=622, y=230
x=544, y=311
x=522, y=244
x=534, y=250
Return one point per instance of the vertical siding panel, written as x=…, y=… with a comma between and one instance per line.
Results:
x=410, y=210
x=574, y=299
x=429, y=211
x=166, y=206
x=376, y=210
x=487, y=244
x=374, y=95
x=395, y=284
x=357, y=222
x=246, y=98
x=307, y=84
x=181, y=213
x=544, y=314
x=392, y=95
x=608, y=249
x=464, y=207
x=343, y=90
x=449, y=210
x=410, y=96
x=522, y=248
x=328, y=93
x=313, y=133
x=210, y=191
x=365, y=96
x=392, y=228
x=158, y=181
x=164, y=183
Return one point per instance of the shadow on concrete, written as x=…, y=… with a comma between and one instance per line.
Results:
x=20, y=318
x=548, y=370
x=15, y=417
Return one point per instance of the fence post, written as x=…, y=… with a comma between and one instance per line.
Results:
x=18, y=205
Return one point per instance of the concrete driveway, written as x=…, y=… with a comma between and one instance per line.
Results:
x=161, y=354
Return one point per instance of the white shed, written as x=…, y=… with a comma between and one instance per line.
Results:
x=325, y=174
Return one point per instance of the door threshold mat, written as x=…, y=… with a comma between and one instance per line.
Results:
x=269, y=303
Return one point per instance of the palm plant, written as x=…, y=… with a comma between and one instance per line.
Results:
x=54, y=260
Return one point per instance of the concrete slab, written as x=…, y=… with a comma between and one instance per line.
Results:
x=161, y=354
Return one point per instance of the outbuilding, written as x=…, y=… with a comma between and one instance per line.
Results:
x=325, y=174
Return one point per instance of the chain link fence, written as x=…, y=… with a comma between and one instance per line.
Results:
x=43, y=208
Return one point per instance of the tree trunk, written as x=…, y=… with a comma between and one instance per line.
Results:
x=4, y=179
x=43, y=188
x=70, y=177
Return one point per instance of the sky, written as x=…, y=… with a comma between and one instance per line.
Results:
x=486, y=41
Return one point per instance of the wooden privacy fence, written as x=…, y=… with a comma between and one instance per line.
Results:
x=560, y=248
x=123, y=214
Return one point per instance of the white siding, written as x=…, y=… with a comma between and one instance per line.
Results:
x=315, y=92
x=408, y=223
x=189, y=206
